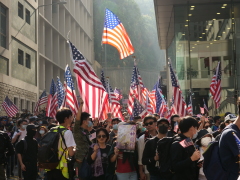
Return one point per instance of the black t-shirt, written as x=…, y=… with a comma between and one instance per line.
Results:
x=32, y=149
x=104, y=155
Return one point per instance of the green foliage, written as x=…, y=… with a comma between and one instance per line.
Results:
x=141, y=28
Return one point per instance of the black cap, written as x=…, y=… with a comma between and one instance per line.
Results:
x=162, y=120
x=201, y=134
x=31, y=126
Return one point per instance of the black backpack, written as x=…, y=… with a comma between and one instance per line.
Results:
x=48, y=149
x=163, y=149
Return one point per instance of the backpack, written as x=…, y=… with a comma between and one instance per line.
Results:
x=212, y=166
x=48, y=149
x=163, y=149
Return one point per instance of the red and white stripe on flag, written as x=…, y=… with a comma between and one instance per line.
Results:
x=95, y=99
x=215, y=86
x=10, y=108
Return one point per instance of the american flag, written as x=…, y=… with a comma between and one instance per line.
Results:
x=60, y=92
x=10, y=108
x=118, y=94
x=52, y=105
x=215, y=86
x=42, y=100
x=186, y=142
x=148, y=105
x=205, y=106
x=90, y=87
x=161, y=105
x=114, y=104
x=190, y=108
x=135, y=89
x=71, y=97
x=179, y=103
x=175, y=128
x=103, y=81
x=202, y=110
x=138, y=109
x=172, y=109
x=115, y=35
x=83, y=69
x=237, y=141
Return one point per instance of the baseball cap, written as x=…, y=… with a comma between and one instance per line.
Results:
x=162, y=120
x=231, y=117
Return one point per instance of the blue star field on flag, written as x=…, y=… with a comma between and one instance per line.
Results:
x=134, y=80
x=111, y=20
x=60, y=92
x=77, y=55
x=137, y=108
x=158, y=96
x=103, y=79
x=68, y=78
x=53, y=89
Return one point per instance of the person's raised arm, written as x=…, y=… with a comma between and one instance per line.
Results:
x=78, y=117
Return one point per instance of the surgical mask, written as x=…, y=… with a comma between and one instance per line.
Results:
x=40, y=122
x=24, y=126
x=163, y=129
x=195, y=135
x=205, y=141
x=41, y=131
x=115, y=127
x=90, y=124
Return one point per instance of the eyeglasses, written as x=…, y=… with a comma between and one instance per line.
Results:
x=150, y=123
x=101, y=136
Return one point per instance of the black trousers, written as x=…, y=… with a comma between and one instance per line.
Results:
x=31, y=171
x=55, y=174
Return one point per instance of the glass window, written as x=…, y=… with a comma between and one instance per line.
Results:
x=3, y=25
x=205, y=67
x=33, y=106
x=20, y=56
x=28, y=61
x=22, y=104
x=27, y=14
x=15, y=100
x=20, y=10
x=4, y=66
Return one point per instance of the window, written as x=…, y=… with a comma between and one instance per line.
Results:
x=15, y=100
x=27, y=15
x=28, y=105
x=20, y=56
x=33, y=107
x=22, y=105
x=28, y=61
x=20, y=10
x=3, y=25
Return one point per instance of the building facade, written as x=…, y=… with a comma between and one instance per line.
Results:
x=196, y=36
x=33, y=45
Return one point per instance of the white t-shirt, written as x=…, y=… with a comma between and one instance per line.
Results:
x=68, y=136
x=23, y=134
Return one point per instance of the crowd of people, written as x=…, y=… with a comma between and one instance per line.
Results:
x=181, y=148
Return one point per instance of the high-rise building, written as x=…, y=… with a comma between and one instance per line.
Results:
x=33, y=45
x=196, y=35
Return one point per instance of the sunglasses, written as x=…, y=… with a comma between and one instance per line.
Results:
x=150, y=123
x=101, y=136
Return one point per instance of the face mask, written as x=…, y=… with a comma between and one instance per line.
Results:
x=41, y=131
x=195, y=135
x=90, y=124
x=24, y=126
x=163, y=129
x=40, y=122
x=115, y=127
x=144, y=129
x=205, y=141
